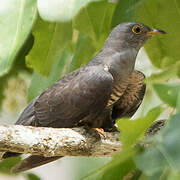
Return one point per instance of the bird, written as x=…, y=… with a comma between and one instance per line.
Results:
x=96, y=94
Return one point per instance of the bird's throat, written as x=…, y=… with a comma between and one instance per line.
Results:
x=121, y=64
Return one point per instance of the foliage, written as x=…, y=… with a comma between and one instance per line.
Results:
x=168, y=93
x=131, y=133
x=7, y=164
x=162, y=159
x=16, y=20
x=31, y=176
x=162, y=50
x=48, y=39
x=60, y=10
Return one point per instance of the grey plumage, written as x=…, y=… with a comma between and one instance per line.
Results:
x=96, y=94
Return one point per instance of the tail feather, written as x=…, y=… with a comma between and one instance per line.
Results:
x=10, y=154
x=32, y=162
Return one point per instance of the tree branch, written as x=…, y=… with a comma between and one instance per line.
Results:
x=57, y=142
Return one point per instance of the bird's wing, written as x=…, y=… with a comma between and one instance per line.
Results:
x=131, y=99
x=82, y=95
x=27, y=116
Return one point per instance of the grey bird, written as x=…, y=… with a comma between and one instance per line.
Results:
x=95, y=95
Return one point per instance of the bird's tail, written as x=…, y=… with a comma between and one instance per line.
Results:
x=32, y=162
x=10, y=154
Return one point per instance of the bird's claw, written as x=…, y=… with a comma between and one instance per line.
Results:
x=100, y=131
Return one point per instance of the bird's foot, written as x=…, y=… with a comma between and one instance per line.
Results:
x=100, y=131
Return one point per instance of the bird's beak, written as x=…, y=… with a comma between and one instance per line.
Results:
x=155, y=32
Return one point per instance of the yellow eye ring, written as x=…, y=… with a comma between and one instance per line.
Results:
x=136, y=29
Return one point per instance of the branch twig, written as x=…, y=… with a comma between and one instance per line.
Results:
x=57, y=142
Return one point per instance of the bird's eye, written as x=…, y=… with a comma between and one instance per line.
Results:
x=137, y=29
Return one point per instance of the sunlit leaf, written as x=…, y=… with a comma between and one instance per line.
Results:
x=162, y=49
x=49, y=41
x=133, y=130
x=16, y=20
x=60, y=10
x=95, y=20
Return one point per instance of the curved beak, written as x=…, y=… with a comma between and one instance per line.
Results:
x=155, y=32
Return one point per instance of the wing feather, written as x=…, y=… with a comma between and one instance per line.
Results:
x=81, y=98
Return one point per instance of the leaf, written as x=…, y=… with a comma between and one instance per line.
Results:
x=168, y=93
x=49, y=41
x=133, y=130
x=116, y=169
x=7, y=164
x=165, y=75
x=39, y=82
x=163, y=157
x=84, y=51
x=125, y=11
x=60, y=10
x=152, y=167
x=18, y=65
x=16, y=20
x=178, y=101
x=31, y=176
x=92, y=31
x=95, y=20
x=162, y=49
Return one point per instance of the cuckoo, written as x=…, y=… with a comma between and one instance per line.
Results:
x=94, y=95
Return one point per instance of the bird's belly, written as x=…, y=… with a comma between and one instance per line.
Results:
x=117, y=92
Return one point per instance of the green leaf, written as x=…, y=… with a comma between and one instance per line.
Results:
x=92, y=31
x=18, y=65
x=39, y=82
x=165, y=75
x=49, y=41
x=133, y=130
x=125, y=11
x=116, y=169
x=162, y=49
x=163, y=157
x=156, y=161
x=178, y=101
x=95, y=20
x=84, y=51
x=7, y=164
x=31, y=176
x=168, y=93
x=60, y=10
x=16, y=20
x=173, y=175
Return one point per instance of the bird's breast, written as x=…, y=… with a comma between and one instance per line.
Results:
x=117, y=91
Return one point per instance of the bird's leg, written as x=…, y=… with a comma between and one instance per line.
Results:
x=100, y=131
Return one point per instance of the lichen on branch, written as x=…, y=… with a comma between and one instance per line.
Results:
x=57, y=141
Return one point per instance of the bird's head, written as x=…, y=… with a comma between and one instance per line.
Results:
x=131, y=34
